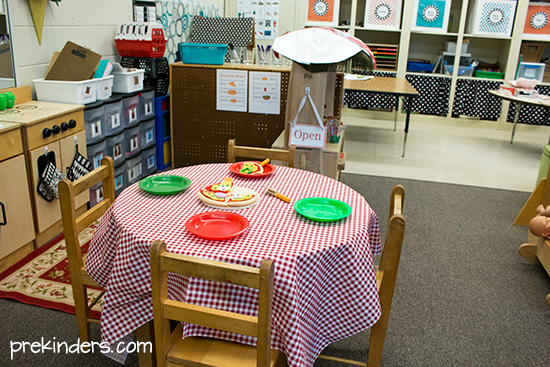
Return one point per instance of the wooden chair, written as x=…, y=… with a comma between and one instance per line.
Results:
x=172, y=350
x=73, y=225
x=234, y=151
x=386, y=274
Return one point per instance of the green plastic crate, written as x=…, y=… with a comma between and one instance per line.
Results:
x=489, y=74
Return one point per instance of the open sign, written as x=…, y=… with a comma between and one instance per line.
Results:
x=308, y=136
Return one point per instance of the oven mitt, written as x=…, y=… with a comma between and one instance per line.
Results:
x=79, y=168
x=47, y=184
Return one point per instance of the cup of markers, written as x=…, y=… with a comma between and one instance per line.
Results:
x=7, y=100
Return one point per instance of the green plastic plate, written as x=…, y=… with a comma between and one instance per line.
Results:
x=322, y=209
x=164, y=184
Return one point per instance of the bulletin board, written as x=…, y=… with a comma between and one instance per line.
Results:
x=200, y=132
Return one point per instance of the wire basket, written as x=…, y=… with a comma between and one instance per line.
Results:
x=532, y=52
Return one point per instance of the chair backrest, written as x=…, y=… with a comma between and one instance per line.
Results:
x=234, y=151
x=163, y=262
x=73, y=225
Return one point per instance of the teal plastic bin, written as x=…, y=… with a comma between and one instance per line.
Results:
x=203, y=53
x=544, y=163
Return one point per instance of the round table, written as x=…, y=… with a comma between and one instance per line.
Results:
x=325, y=286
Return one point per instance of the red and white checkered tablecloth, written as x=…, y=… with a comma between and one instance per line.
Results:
x=325, y=287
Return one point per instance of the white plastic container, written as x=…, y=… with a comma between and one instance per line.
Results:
x=127, y=80
x=81, y=92
x=133, y=170
x=531, y=70
x=104, y=87
x=147, y=131
x=149, y=161
x=132, y=141
x=451, y=47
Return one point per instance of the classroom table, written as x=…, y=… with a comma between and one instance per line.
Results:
x=520, y=101
x=325, y=285
x=398, y=87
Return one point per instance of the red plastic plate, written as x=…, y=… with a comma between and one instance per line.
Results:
x=217, y=225
x=236, y=167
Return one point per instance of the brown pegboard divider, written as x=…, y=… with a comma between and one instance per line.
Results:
x=200, y=133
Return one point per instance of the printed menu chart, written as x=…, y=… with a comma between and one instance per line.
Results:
x=231, y=90
x=265, y=92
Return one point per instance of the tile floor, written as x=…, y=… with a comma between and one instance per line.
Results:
x=451, y=154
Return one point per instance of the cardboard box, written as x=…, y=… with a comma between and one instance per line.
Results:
x=333, y=157
x=74, y=63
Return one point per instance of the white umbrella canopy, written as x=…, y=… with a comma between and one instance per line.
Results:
x=320, y=45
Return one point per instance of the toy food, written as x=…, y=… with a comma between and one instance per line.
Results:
x=224, y=194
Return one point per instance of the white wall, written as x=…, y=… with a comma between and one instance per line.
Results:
x=87, y=23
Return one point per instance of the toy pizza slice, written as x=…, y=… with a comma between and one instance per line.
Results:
x=242, y=199
x=251, y=168
x=226, y=186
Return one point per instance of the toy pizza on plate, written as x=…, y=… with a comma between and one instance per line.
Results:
x=225, y=194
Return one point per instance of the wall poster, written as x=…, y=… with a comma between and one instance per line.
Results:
x=264, y=92
x=322, y=12
x=265, y=14
x=231, y=90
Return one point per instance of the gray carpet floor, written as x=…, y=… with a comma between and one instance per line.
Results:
x=464, y=297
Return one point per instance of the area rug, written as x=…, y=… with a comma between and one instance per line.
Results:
x=42, y=277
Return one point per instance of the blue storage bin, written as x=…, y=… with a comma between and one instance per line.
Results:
x=203, y=53
x=419, y=67
x=462, y=70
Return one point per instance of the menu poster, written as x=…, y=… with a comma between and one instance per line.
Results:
x=265, y=93
x=231, y=90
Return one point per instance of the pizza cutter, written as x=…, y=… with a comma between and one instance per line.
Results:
x=249, y=169
x=276, y=194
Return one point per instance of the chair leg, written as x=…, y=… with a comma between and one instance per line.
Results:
x=81, y=308
x=145, y=334
x=376, y=343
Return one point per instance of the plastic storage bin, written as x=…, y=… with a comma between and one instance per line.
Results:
x=132, y=141
x=419, y=67
x=96, y=194
x=203, y=53
x=462, y=70
x=147, y=103
x=93, y=122
x=116, y=148
x=489, y=74
x=112, y=115
x=104, y=87
x=531, y=70
x=81, y=92
x=149, y=161
x=130, y=109
x=128, y=81
x=431, y=15
x=449, y=58
x=147, y=132
x=491, y=17
x=133, y=170
x=120, y=179
x=96, y=152
x=451, y=47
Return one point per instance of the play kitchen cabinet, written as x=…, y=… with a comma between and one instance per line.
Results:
x=16, y=219
x=52, y=131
